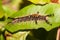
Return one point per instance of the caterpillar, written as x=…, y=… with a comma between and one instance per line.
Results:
x=32, y=17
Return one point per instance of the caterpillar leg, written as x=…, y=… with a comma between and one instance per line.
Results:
x=48, y=22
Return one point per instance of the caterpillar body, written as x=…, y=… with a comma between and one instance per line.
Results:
x=32, y=17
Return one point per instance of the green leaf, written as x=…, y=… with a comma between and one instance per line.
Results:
x=57, y=15
x=55, y=20
x=1, y=37
x=49, y=8
x=31, y=9
x=1, y=10
x=52, y=9
x=8, y=11
x=27, y=25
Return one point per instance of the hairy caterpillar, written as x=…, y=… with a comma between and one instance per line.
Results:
x=32, y=17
